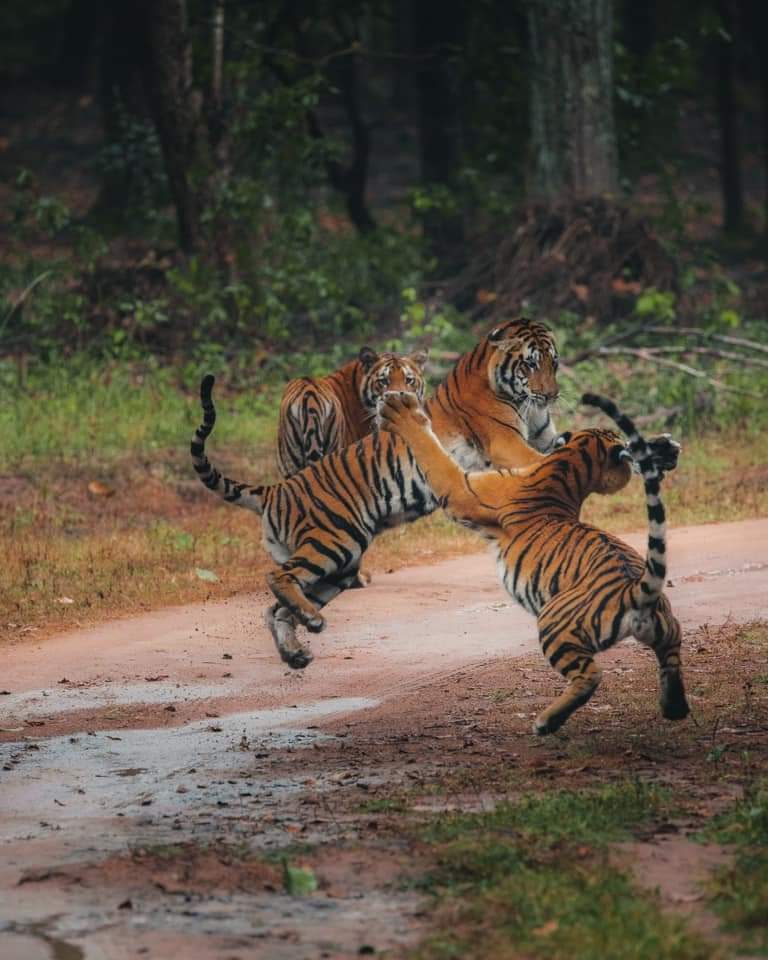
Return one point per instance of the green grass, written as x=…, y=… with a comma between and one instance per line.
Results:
x=533, y=878
x=739, y=892
x=86, y=412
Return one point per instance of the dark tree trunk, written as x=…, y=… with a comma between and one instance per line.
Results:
x=122, y=94
x=573, y=136
x=177, y=110
x=756, y=26
x=353, y=179
x=730, y=140
x=438, y=35
x=639, y=26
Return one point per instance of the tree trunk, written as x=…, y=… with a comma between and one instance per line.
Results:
x=730, y=140
x=438, y=34
x=573, y=136
x=177, y=110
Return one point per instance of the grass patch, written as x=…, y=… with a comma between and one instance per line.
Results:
x=739, y=892
x=532, y=878
x=594, y=817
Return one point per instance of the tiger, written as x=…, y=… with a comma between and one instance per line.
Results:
x=587, y=588
x=316, y=524
x=318, y=416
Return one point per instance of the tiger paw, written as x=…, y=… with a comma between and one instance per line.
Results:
x=296, y=659
x=400, y=412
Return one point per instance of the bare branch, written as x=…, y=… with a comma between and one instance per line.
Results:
x=708, y=335
x=644, y=354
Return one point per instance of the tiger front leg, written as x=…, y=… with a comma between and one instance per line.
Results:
x=455, y=489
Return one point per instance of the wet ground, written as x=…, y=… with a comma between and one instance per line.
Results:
x=160, y=775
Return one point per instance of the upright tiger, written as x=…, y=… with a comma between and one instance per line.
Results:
x=318, y=523
x=587, y=588
x=318, y=416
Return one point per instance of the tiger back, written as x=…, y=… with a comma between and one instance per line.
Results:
x=318, y=416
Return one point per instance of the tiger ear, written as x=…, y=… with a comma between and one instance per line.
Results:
x=367, y=357
x=419, y=358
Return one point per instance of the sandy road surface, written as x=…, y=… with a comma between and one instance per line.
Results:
x=162, y=728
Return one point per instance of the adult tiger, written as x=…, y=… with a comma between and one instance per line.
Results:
x=587, y=588
x=494, y=406
x=318, y=416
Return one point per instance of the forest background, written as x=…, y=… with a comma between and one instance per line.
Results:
x=258, y=189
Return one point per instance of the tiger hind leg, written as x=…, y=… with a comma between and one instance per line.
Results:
x=664, y=636
x=282, y=625
x=568, y=654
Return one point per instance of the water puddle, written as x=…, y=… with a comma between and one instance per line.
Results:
x=68, y=697
x=207, y=765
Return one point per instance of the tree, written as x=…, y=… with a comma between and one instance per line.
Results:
x=438, y=36
x=730, y=139
x=573, y=136
x=176, y=109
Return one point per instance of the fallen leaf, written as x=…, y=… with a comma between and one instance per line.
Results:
x=581, y=290
x=208, y=575
x=546, y=929
x=64, y=600
x=99, y=489
x=620, y=285
x=485, y=296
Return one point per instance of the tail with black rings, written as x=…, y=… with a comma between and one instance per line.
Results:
x=651, y=584
x=240, y=494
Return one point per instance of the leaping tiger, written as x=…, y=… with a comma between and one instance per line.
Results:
x=587, y=588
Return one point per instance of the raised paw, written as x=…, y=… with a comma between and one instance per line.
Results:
x=400, y=412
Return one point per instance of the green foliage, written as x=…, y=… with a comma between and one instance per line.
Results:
x=585, y=816
x=521, y=880
x=89, y=411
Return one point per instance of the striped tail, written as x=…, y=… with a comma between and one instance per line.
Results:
x=651, y=584
x=241, y=494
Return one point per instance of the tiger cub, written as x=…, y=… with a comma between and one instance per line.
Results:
x=318, y=416
x=587, y=588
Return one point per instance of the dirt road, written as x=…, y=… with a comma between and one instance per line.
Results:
x=170, y=730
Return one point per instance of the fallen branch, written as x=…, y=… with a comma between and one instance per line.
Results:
x=711, y=352
x=644, y=354
x=708, y=335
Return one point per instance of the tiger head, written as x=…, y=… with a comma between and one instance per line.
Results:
x=386, y=372
x=523, y=362
x=601, y=456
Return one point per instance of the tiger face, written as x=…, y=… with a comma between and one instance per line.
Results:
x=523, y=363
x=388, y=372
